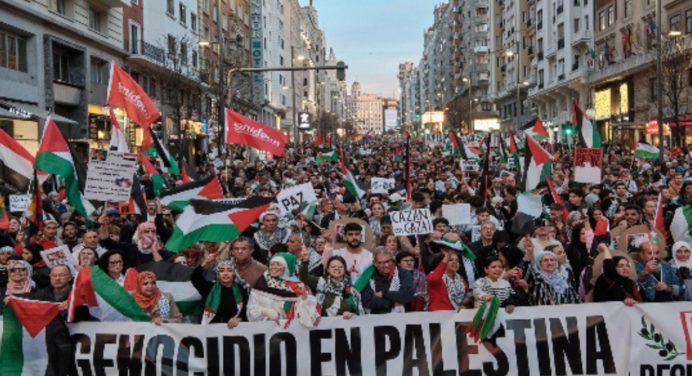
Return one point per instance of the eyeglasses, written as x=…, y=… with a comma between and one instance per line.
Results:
x=116, y=262
x=17, y=270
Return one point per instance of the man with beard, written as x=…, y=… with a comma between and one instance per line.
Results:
x=70, y=235
x=357, y=258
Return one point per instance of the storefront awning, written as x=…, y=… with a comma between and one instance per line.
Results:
x=24, y=111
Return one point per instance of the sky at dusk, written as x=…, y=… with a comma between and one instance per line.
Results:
x=374, y=36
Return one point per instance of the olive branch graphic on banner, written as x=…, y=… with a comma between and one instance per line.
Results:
x=656, y=341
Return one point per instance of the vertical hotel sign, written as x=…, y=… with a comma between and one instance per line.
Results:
x=256, y=42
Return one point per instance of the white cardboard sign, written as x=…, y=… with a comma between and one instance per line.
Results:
x=293, y=197
x=109, y=176
x=411, y=222
x=19, y=203
x=457, y=214
x=381, y=185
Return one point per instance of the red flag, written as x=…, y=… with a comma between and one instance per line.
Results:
x=242, y=130
x=319, y=140
x=124, y=92
x=186, y=177
x=556, y=197
x=539, y=128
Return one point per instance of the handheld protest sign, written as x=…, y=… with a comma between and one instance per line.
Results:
x=336, y=228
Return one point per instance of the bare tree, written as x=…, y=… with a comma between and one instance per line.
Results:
x=676, y=64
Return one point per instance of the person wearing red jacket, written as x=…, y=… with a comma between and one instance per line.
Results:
x=446, y=288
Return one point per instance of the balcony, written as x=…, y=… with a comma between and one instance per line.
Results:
x=581, y=38
x=107, y=4
x=155, y=53
x=631, y=63
x=560, y=44
x=481, y=49
x=550, y=51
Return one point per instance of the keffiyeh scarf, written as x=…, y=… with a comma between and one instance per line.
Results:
x=455, y=289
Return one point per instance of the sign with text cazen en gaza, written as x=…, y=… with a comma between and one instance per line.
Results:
x=242, y=130
x=584, y=339
x=411, y=222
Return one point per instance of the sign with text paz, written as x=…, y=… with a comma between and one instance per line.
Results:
x=411, y=222
x=304, y=120
x=295, y=197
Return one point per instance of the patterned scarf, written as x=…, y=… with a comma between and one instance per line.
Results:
x=211, y=304
x=266, y=241
x=455, y=289
x=394, y=285
x=340, y=290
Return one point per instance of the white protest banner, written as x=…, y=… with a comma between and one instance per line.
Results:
x=469, y=165
x=587, y=165
x=293, y=197
x=580, y=339
x=457, y=214
x=381, y=185
x=109, y=176
x=411, y=222
x=19, y=203
x=58, y=256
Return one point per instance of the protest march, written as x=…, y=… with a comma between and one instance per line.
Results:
x=521, y=256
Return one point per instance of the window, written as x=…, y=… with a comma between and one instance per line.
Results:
x=134, y=39
x=61, y=7
x=98, y=70
x=561, y=67
x=170, y=8
x=152, y=88
x=611, y=15
x=586, y=22
x=61, y=66
x=95, y=19
x=281, y=61
x=183, y=14
x=688, y=21
x=628, y=8
x=539, y=19
x=193, y=22
x=12, y=51
x=183, y=53
x=134, y=2
x=652, y=89
x=540, y=78
x=675, y=22
x=576, y=25
x=205, y=6
x=194, y=59
x=602, y=20
x=481, y=27
x=171, y=45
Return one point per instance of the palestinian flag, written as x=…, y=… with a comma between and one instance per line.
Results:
x=588, y=134
x=54, y=157
x=556, y=197
x=23, y=348
x=327, y=156
x=647, y=151
x=681, y=227
x=137, y=204
x=175, y=279
x=204, y=220
x=169, y=165
x=34, y=212
x=106, y=299
x=538, y=131
x=118, y=142
x=179, y=197
x=536, y=158
x=514, y=151
x=455, y=144
x=350, y=182
x=184, y=175
x=485, y=322
x=153, y=173
x=17, y=162
x=470, y=152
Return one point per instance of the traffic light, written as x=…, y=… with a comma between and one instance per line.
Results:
x=341, y=71
x=568, y=130
x=417, y=115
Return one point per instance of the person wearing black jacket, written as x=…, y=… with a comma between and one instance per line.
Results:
x=224, y=300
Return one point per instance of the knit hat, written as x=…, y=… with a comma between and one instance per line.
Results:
x=288, y=260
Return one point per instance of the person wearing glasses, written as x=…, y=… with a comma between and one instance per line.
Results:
x=386, y=288
x=18, y=281
x=112, y=263
x=333, y=290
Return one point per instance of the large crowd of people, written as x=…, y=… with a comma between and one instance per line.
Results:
x=302, y=266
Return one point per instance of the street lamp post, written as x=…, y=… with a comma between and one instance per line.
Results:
x=221, y=115
x=659, y=80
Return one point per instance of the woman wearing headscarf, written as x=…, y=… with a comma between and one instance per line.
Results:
x=333, y=290
x=682, y=263
x=6, y=253
x=577, y=251
x=278, y=294
x=269, y=234
x=564, y=266
x=41, y=273
x=159, y=305
x=615, y=285
x=224, y=300
x=546, y=285
x=18, y=281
